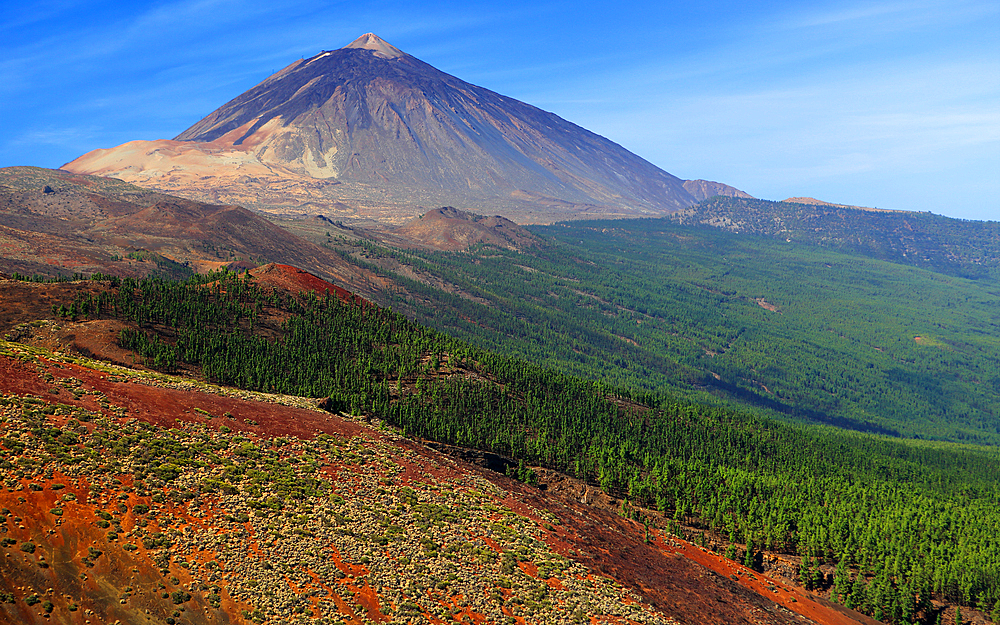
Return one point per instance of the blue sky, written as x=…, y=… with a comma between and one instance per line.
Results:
x=886, y=104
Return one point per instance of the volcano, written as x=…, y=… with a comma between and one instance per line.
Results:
x=370, y=131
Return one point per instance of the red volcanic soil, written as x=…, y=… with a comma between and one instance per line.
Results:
x=690, y=585
x=288, y=278
x=166, y=406
x=795, y=599
x=67, y=564
x=687, y=583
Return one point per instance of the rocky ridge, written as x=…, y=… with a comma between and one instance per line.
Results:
x=57, y=223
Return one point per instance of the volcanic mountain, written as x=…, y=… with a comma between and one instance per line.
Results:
x=370, y=131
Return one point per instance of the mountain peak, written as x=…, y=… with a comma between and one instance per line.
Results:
x=381, y=47
x=343, y=131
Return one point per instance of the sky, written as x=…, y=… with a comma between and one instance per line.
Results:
x=888, y=104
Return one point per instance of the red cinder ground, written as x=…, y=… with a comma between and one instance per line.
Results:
x=295, y=280
x=683, y=581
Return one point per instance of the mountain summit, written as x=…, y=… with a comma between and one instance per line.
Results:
x=371, y=41
x=370, y=131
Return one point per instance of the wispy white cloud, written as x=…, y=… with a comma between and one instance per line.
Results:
x=863, y=18
x=23, y=15
x=55, y=136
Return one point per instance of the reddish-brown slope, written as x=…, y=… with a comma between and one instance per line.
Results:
x=165, y=406
x=677, y=579
x=57, y=223
x=295, y=280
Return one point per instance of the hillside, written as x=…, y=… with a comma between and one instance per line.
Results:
x=952, y=246
x=799, y=331
x=55, y=223
x=764, y=493
x=216, y=520
x=452, y=230
x=370, y=132
x=133, y=495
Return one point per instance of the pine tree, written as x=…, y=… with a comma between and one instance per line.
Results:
x=749, y=556
x=841, y=582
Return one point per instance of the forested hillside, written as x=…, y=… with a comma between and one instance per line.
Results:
x=905, y=521
x=953, y=246
x=810, y=333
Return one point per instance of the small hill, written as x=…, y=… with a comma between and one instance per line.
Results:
x=451, y=229
x=814, y=201
x=294, y=280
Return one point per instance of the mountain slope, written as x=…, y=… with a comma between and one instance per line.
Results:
x=139, y=496
x=57, y=223
x=387, y=134
x=734, y=478
x=823, y=335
